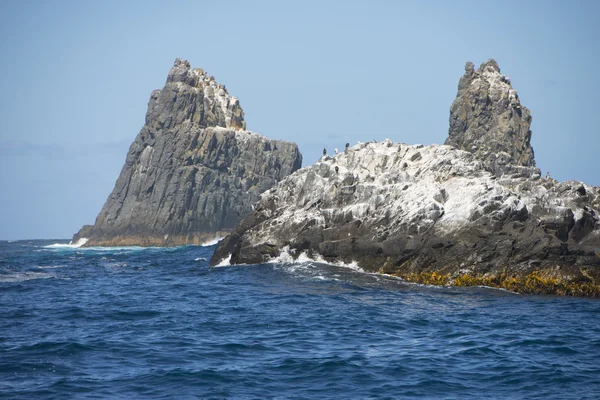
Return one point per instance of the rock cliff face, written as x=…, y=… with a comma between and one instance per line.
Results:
x=487, y=119
x=193, y=171
x=434, y=214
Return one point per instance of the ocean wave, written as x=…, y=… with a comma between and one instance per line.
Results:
x=117, y=248
x=226, y=262
x=115, y=264
x=78, y=246
x=24, y=276
x=310, y=325
x=100, y=249
x=71, y=245
x=212, y=242
x=287, y=257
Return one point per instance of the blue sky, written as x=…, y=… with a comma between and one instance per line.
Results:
x=77, y=75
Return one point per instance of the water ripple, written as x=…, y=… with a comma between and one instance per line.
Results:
x=159, y=323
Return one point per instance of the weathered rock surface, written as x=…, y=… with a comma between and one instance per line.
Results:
x=193, y=172
x=487, y=119
x=434, y=214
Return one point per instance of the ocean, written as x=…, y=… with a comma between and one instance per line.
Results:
x=159, y=323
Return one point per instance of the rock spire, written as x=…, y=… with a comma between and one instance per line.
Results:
x=193, y=171
x=488, y=119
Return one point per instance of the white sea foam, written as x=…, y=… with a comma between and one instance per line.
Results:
x=71, y=245
x=286, y=257
x=200, y=259
x=24, y=276
x=118, y=248
x=115, y=264
x=77, y=246
x=226, y=262
x=212, y=242
x=498, y=289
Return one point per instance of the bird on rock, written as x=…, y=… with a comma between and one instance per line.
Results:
x=324, y=151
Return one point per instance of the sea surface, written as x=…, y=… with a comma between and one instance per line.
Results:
x=160, y=323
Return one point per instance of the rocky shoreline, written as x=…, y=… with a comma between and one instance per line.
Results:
x=472, y=212
x=476, y=212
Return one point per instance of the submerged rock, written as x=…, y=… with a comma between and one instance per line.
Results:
x=193, y=171
x=434, y=214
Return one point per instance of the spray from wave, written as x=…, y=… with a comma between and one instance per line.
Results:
x=286, y=257
x=211, y=242
x=71, y=245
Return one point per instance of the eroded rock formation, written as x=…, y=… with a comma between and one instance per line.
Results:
x=488, y=119
x=438, y=214
x=193, y=172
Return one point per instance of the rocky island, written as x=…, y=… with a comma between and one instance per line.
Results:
x=193, y=172
x=474, y=211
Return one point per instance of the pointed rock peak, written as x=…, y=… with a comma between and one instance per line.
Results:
x=181, y=61
x=193, y=172
x=196, y=96
x=469, y=68
x=487, y=119
x=490, y=65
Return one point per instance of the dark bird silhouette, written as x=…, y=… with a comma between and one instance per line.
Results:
x=347, y=145
x=337, y=169
x=324, y=151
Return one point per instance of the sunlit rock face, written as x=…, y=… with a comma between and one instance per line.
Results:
x=193, y=171
x=434, y=214
x=488, y=119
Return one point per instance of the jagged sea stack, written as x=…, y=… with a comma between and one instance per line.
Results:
x=487, y=119
x=193, y=172
x=438, y=214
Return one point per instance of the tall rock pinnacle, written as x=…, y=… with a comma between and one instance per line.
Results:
x=190, y=95
x=487, y=119
x=193, y=172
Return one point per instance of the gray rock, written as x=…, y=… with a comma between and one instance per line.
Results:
x=488, y=119
x=193, y=172
x=445, y=213
x=437, y=214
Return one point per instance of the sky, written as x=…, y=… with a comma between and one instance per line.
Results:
x=76, y=77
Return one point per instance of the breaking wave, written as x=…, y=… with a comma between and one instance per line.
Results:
x=212, y=242
x=70, y=245
x=287, y=256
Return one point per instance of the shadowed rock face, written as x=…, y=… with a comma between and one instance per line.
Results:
x=434, y=214
x=488, y=120
x=193, y=171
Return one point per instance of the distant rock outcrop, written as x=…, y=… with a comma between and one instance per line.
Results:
x=488, y=120
x=193, y=172
x=437, y=214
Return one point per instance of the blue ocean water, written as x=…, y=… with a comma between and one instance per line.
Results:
x=160, y=323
